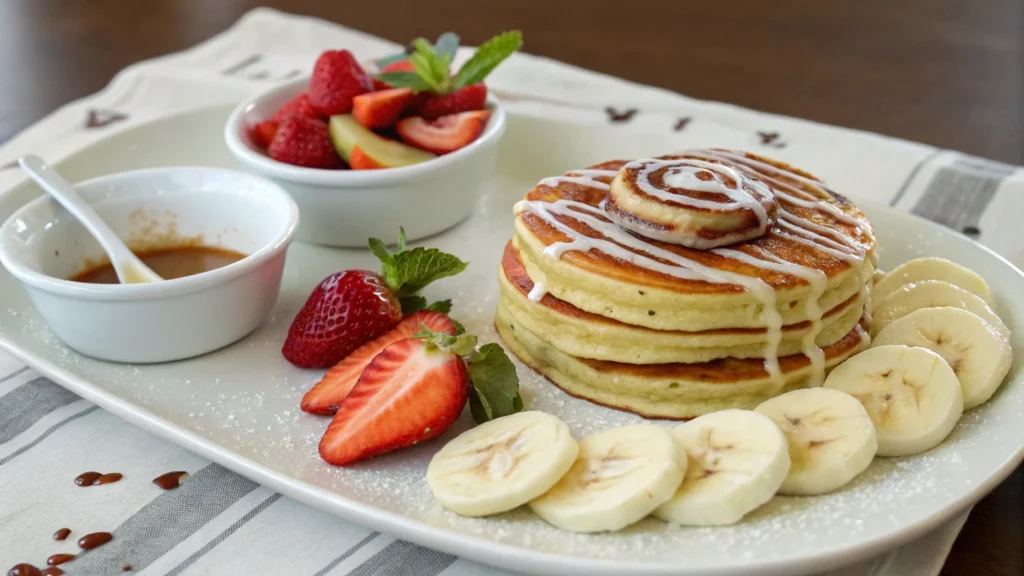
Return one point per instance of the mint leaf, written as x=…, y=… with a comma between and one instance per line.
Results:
x=410, y=80
x=411, y=270
x=495, y=385
x=441, y=306
x=412, y=304
x=447, y=44
x=403, y=55
x=459, y=328
x=462, y=345
x=401, y=238
x=380, y=250
x=415, y=303
x=487, y=58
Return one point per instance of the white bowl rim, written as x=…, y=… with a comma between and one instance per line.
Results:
x=234, y=127
x=167, y=288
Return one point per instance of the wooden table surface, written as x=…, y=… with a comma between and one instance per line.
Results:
x=944, y=72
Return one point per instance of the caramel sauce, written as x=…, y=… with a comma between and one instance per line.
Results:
x=52, y=571
x=58, y=559
x=90, y=541
x=109, y=478
x=170, y=480
x=86, y=478
x=24, y=570
x=61, y=534
x=169, y=263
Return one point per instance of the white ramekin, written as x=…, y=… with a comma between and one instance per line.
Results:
x=41, y=245
x=346, y=207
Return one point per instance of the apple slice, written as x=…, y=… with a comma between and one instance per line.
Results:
x=346, y=134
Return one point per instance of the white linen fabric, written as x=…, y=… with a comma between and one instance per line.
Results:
x=219, y=522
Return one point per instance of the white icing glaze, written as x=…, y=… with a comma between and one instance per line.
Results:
x=581, y=177
x=537, y=292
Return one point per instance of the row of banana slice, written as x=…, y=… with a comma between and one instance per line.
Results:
x=938, y=350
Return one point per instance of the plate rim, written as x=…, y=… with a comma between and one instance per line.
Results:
x=473, y=546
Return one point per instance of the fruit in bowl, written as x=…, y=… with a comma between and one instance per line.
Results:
x=362, y=153
x=412, y=112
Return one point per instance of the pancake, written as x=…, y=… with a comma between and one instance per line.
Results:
x=670, y=391
x=682, y=284
x=580, y=333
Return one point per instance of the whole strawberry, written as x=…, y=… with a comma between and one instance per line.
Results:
x=337, y=79
x=303, y=141
x=350, y=308
x=299, y=104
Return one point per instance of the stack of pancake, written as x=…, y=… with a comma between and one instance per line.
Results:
x=680, y=285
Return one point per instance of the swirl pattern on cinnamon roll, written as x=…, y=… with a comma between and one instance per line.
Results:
x=687, y=200
x=600, y=306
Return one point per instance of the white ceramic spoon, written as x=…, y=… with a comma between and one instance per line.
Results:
x=129, y=269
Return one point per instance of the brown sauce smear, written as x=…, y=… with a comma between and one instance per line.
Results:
x=90, y=541
x=171, y=480
x=52, y=571
x=24, y=570
x=107, y=478
x=169, y=263
x=126, y=568
x=86, y=478
x=61, y=534
x=58, y=559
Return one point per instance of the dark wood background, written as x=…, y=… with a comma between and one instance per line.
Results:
x=944, y=72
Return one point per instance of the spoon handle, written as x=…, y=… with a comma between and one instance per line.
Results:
x=127, y=265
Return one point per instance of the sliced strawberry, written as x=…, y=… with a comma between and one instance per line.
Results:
x=263, y=133
x=358, y=160
x=299, y=104
x=327, y=394
x=337, y=79
x=381, y=109
x=410, y=392
x=344, y=312
x=303, y=141
x=472, y=97
x=445, y=134
x=398, y=66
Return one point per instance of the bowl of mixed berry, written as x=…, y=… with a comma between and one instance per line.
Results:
x=412, y=142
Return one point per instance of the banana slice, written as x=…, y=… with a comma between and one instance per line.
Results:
x=737, y=461
x=932, y=294
x=979, y=356
x=831, y=438
x=620, y=476
x=911, y=394
x=502, y=464
x=922, y=269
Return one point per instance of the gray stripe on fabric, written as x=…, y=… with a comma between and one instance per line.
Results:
x=25, y=405
x=913, y=174
x=959, y=193
x=334, y=563
x=46, y=434
x=401, y=558
x=164, y=523
x=223, y=535
x=14, y=374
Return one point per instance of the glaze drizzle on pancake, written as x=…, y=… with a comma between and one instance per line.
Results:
x=793, y=223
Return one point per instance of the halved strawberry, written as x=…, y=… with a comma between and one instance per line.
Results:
x=472, y=97
x=381, y=109
x=358, y=160
x=299, y=104
x=445, y=134
x=327, y=394
x=337, y=79
x=263, y=133
x=410, y=392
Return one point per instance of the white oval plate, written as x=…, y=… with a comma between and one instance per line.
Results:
x=239, y=406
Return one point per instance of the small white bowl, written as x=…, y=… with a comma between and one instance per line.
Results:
x=346, y=207
x=41, y=245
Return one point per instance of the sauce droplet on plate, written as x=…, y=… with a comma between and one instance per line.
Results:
x=171, y=480
x=61, y=534
x=90, y=541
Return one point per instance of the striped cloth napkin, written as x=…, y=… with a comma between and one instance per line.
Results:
x=220, y=522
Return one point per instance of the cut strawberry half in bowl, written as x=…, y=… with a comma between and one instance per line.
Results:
x=407, y=186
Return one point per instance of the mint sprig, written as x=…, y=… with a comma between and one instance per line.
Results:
x=431, y=63
x=487, y=57
x=495, y=385
x=406, y=272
